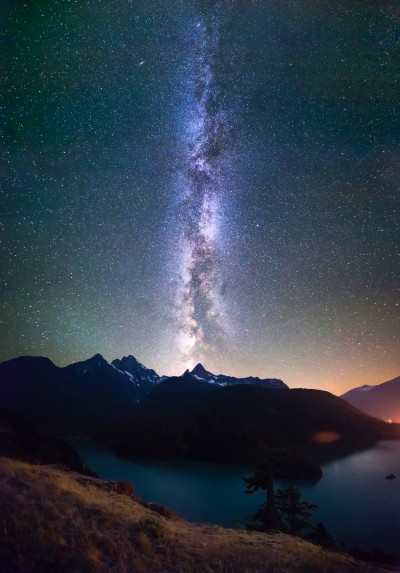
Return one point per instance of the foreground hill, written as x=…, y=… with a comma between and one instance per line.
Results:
x=59, y=522
x=381, y=401
x=189, y=419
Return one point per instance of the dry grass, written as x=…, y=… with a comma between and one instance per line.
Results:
x=52, y=522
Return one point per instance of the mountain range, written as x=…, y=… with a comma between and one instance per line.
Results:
x=86, y=396
x=381, y=401
x=78, y=399
x=198, y=415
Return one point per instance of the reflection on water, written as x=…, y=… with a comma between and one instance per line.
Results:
x=355, y=501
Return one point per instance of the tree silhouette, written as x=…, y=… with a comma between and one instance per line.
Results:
x=266, y=517
x=292, y=510
x=282, y=510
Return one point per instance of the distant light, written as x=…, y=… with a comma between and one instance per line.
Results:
x=325, y=437
x=389, y=421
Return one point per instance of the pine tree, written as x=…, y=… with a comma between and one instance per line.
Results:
x=292, y=510
x=266, y=516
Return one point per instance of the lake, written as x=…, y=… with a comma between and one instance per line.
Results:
x=355, y=502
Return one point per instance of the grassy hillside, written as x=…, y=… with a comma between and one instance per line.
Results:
x=53, y=521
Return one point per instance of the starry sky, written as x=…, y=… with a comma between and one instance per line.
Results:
x=203, y=180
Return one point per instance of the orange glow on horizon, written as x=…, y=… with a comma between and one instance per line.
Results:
x=325, y=437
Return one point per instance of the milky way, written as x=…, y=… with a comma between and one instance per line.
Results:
x=201, y=319
x=211, y=180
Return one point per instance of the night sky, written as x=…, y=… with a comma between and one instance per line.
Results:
x=211, y=181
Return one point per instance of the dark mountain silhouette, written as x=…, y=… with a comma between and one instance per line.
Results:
x=85, y=396
x=381, y=401
x=201, y=373
x=198, y=415
x=18, y=440
x=78, y=399
x=184, y=418
x=37, y=391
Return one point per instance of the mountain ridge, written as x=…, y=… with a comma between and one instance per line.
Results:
x=84, y=396
x=223, y=380
x=381, y=401
x=75, y=399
